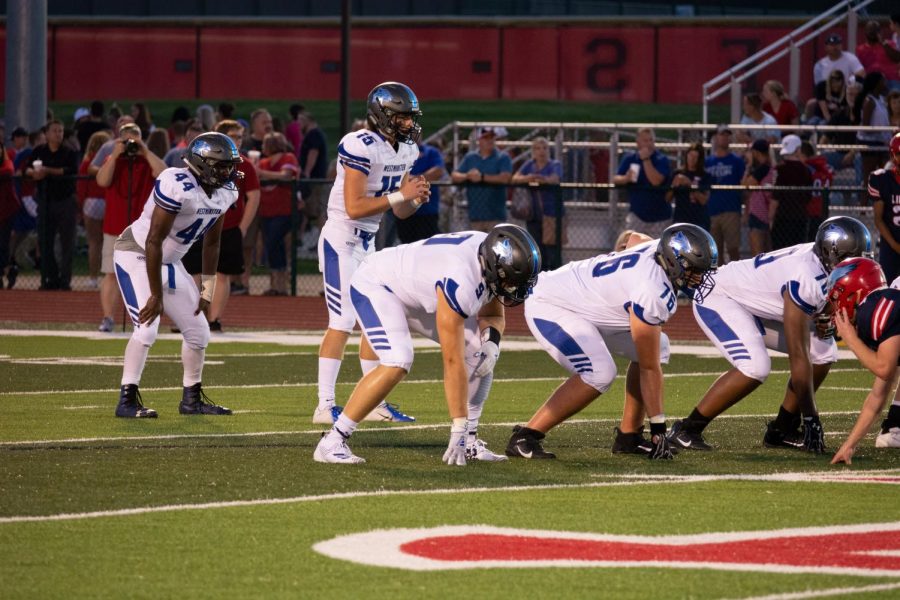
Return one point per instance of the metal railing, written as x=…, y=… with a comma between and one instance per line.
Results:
x=789, y=44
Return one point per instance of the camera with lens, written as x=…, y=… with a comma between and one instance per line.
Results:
x=132, y=148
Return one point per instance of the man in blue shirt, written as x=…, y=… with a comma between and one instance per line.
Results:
x=646, y=172
x=487, y=203
x=724, y=206
x=424, y=223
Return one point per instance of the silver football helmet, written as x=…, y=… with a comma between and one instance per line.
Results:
x=839, y=238
x=510, y=263
x=213, y=159
x=689, y=256
x=388, y=101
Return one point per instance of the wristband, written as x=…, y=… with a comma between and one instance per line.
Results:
x=491, y=335
x=207, y=287
x=395, y=199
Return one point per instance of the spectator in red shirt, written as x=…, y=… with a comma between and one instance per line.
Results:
x=778, y=104
x=822, y=175
x=92, y=199
x=237, y=220
x=279, y=169
x=129, y=162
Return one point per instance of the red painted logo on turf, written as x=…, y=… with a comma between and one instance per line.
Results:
x=868, y=549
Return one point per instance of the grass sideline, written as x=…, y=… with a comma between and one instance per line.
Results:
x=63, y=453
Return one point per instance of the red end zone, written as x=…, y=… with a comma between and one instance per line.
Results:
x=868, y=549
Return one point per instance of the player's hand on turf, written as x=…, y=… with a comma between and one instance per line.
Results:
x=661, y=449
x=456, y=449
x=843, y=455
x=151, y=310
x=487, y=358
x=203, y=307
x=813, y=435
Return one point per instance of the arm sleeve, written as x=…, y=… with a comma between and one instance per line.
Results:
x=807, y=293
x=556, y=167
x=251, y=177
x=650, y=303
x=505, y=165
x=624, y=164
x=661, y=162
x=874, y=188
x=353, y=153
x=465, y=163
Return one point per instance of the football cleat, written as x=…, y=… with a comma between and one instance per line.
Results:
x=335, y=452
x=327, y=415
x=194, y=401
x=631, y=443
x=479, y=451
x=888, y=439
x=775, y=438
x=106, y=325
x=388, y=413
x=131, y=405
x=526, y=443
x=686, y=440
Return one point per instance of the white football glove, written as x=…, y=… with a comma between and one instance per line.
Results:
x=487, y=358
x=456, y=449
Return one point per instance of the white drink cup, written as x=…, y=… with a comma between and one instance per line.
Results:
x=253, y=155
x=634, y=171
x=37, y=165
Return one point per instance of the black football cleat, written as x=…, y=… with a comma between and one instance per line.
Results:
x=775, y=438
x=194, y=401
x=131, y=406
x=631, y=443
x=526, y=443
x=682, y=439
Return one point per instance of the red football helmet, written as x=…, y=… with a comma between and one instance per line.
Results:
x=851, y=281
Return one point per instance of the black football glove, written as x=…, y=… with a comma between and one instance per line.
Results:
x=813, y=435
x=661, y=449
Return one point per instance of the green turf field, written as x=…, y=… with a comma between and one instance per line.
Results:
x=94, y=506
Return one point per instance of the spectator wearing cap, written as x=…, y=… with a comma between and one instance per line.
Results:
x=758, y=211
x=876, y=54
x=487, y=171
x=789, y=213
x=646, y=172
x=777, y=104
x=837, y=58
x=755, y=115
x=822, y=175
x=81, y=113
x=95, y=121
x=724, y=207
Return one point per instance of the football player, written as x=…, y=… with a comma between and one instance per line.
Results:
x=372, y=177
x=867, y=317
x=884, y=190
x=186, y=204
x=615, y=303
x=770, y=301
x=434, y=287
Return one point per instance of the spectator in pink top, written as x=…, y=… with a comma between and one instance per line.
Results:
x=876, y=54
x=293, y=131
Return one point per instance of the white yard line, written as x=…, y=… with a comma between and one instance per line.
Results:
x=318, y=431
x=624, y=481
x=865, y=589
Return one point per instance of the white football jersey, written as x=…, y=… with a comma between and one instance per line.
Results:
x=177, y=191
x=603, y=288
x=757, y=283
x=369, y=153
x=448, y=262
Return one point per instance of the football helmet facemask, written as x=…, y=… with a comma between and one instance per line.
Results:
x=839, y=238
x=213, y=159
x=510, y=263
x=689, y=256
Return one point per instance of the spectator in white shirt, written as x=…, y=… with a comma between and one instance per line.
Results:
x=754, y=115
x=836, y=58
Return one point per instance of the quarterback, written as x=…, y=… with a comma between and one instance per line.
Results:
x=186, y=203
x=372, y=177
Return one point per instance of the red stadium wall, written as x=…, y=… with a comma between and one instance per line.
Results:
x=642, y=64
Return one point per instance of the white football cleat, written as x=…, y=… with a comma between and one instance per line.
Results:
x=327, y=415
x=891, y=439
x=479, y=451
x=335, y=452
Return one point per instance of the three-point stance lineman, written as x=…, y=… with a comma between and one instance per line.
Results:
x=436, y=287
x=770, y=302
x=615, y=303
x=186, y=203
x=372, y=177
